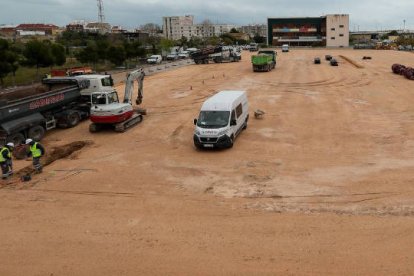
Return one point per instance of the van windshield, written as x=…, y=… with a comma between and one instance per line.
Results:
x=213, y=119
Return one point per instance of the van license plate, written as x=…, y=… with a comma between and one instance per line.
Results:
x=208, y=145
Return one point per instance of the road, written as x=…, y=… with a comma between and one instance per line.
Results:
x=321, y=185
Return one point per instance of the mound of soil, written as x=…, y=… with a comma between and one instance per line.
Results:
x=56, y=153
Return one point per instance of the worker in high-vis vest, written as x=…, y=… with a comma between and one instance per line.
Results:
x=36, y=150
x=6, y=163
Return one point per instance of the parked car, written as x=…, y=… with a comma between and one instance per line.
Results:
x=172, y=56
x=333, y=62
x=183, y=55
x=154, y=59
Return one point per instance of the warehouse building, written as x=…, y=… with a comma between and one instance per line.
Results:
x=328, y=30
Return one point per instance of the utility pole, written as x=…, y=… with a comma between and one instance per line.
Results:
x=404, y=26
x=101, y=15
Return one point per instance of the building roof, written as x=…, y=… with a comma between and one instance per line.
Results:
x=37, y=26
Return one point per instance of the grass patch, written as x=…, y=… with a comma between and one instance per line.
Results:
x=28, y=75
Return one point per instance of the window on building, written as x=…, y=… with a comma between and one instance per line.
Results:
x=332, y=29
x=341, y=35
x=341, y=26
x=333, y=38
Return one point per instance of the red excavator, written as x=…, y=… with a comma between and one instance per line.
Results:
x=106, y=110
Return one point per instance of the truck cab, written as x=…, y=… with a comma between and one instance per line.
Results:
x=97, y=83
x=285, y=48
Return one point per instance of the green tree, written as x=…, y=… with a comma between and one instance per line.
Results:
x=183, y=41
x=39, y=54
x=102, y=46
x=89, y=54
x=166, y=44
x=116, y=55
x=5, y=67
x=154, y=42
x=195, y=42
x=393, y=33
x=259, y=39
x=59, y=54
x=234, y=31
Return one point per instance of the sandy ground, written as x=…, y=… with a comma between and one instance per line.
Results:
x=322, y=185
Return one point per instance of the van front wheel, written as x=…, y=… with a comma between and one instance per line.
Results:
x=231, y=140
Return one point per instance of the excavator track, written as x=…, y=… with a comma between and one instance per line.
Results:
x=134, y=120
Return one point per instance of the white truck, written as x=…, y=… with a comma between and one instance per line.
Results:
x=285, y=48
x=222, y=118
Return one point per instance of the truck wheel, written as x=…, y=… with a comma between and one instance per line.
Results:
x=36, y=133
x=16, y=138
x=73, y=119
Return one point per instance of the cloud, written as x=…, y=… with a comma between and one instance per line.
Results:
x=367, y=14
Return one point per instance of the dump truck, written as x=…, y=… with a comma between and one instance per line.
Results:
x=31, y=111
x=264, y=61
x=202, y=56
x=216, y=54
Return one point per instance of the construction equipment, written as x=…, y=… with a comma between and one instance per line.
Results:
x=265, y=61
x=202, y=56
x=216, y=54
x=30, y=111
x=106, y=109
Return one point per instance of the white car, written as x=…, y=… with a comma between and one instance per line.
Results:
x=172, y=56
x=154, y=59
x=183, y=54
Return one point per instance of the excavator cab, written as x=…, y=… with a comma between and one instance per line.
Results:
x=104, y=98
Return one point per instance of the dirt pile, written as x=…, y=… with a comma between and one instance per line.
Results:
x=56, y=153
x=354, y=63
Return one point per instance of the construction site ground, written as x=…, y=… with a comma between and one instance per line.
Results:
x=323, y=184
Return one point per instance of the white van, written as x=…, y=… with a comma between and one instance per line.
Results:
x=154, y=59
x=222, y=117
x=285, y=48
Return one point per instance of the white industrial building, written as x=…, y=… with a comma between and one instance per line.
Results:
x=175, y=27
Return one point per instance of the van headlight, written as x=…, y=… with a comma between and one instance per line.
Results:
x=198, y=133
x=221, y=133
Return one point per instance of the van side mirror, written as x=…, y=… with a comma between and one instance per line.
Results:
x=195, y=121
x=233, y=122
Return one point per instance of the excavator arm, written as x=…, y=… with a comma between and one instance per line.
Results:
x=137, y=75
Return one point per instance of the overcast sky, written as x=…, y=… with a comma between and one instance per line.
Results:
x=364, y=14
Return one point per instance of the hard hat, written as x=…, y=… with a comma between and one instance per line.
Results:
x=10, y=144
x=28, y=141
